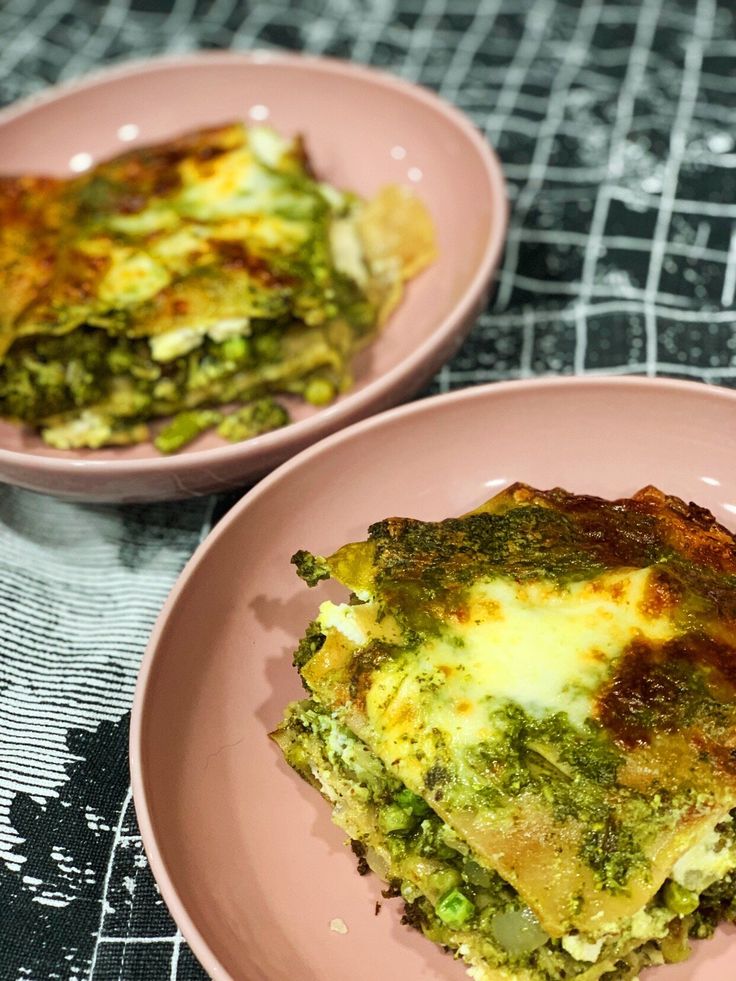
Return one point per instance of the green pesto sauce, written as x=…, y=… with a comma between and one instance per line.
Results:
x=46, y=376
x=411, y=829
x=423, y=569
x=54, y=374
x=460, y=898
x=717, y=904
x=49, y=380
x=310, y=643
x=573, y=772
x=287, y=293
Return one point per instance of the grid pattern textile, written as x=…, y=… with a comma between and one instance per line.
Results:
x=615, y=123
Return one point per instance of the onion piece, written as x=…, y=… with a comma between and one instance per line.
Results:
x=377, y=864
x=518, y=931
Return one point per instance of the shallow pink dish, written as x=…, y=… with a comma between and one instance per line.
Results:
x=243, y=851
x=364, y=129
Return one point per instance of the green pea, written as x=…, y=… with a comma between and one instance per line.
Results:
x=319, y=391
x=393, y=818
x=443, y=880
x=679, y=899
x=267, y=346
x=455, y=909
x=235, y=349
x=409, y=801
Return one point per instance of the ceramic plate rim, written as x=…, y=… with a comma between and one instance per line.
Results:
x=309, y=456
x=354, y=401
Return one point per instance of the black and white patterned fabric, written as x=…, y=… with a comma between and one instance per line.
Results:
x=616, y=123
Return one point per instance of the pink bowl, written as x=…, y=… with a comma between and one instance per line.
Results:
x=364, y=130
x=243, y=851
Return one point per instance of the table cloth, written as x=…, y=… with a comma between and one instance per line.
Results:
x=616, y=124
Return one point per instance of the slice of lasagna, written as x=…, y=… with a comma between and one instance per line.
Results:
x=212, y=269
x=525, y=720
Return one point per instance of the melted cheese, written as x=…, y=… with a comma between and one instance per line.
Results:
x=543, y=647
x=552, y=727
x=343, y=619
x=173, y=343
x=269, y=146
x=709, y=859
x=234, y=184
x=347, y=250
x=132, y=277
x=581, y=949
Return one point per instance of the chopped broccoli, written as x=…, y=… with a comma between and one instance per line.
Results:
x=310, y=568
x=252, y=420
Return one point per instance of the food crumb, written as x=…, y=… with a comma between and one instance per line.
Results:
x=338, y=926
x=378, y=908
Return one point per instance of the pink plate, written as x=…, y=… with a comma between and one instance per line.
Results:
x=364, y=129
x=244, y=852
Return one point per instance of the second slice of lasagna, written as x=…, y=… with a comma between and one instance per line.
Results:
x=211, y=270
x=525, y=720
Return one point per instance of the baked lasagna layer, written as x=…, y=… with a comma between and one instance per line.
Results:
x=208, y=270
x=458, y=902
x=552, y=676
